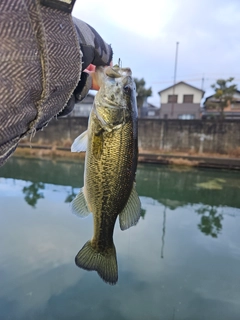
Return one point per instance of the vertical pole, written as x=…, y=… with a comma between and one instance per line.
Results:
x=202, y=86
x=174, y=77
x=163, y=232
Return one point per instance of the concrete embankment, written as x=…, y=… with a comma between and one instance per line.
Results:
x=216, y=161
x=179, y=142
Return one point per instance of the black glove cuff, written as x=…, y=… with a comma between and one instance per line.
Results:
x=84, y=85
x=69, y=107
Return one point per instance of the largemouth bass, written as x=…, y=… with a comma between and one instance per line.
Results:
x=111, y=145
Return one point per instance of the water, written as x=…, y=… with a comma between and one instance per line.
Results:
x=181, y=262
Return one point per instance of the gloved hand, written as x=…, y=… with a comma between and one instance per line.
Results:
x=43, y=53
x=95, y=53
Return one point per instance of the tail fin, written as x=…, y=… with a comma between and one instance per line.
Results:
x=104, y=263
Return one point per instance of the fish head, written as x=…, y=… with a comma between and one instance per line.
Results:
x=115, y=102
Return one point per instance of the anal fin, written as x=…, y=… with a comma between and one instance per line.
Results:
x=79, y=205
x=131, y=212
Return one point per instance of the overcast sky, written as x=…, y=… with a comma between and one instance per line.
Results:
x=144, y=37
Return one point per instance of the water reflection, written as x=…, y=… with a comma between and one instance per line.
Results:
x=71, y=195
x=177, y=268
x=211, y=220
x=163, y=232
x=142, y=213
x=32, y=194
x=169, y=187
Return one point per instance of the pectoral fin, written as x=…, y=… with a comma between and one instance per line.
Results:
x=80, y=143
x=79, y=205
x=131, y=212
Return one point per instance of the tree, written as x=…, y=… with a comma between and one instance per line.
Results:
x=142, y=92
x=211, y=221
x=71, y=196
x=223, y=94
x=32, y=194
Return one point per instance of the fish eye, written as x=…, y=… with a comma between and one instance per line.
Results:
x=127, y=89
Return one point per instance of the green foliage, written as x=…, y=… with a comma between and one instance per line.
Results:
x=70, y=196
x=142, y=92
x=223, y=94
x=32, y=194
x=211, y=221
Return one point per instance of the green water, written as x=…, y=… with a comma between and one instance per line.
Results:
x=181, y=262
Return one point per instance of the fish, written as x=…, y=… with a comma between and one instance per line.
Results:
x=109, y=191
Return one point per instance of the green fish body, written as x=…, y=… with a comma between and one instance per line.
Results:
x=111, y=146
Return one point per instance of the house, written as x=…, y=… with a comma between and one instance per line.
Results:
x=232, y=111
x=83, y=108
x=181, y=101
x=148, y=110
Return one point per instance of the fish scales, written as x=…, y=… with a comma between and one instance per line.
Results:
x=110, y=168
x=108, y=193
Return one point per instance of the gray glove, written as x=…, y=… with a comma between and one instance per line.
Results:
x=42, y=55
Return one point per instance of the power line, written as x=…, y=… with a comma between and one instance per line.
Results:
x=190, y=80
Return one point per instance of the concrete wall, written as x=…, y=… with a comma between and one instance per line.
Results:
x=157, y=135
x=180, y=109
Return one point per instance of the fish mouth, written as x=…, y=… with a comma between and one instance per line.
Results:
x=126, y=72
x=112, y=72
x=117, y=72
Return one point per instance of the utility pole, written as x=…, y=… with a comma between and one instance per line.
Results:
x=163, y=231
x=174, y=77
x=202, y=86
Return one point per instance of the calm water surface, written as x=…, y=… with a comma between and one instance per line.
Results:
x=181, y=262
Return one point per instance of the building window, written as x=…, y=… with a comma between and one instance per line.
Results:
x=186, y=116
x=235, y=105
x=188, y=98
x=165, y=116
x=172, y=98
x=151, y=113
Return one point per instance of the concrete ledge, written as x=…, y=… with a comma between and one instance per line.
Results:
x=209, y=161
x=204, y=162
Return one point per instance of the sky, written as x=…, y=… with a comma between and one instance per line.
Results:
x=144, y=36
